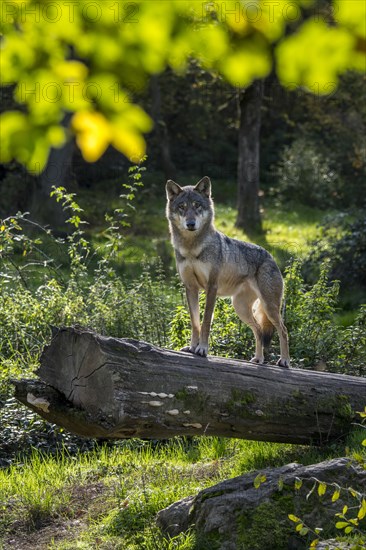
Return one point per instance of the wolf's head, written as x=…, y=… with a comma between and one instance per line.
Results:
x=190, y=208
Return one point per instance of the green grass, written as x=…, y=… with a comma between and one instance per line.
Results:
x=109, y=497
x=288, y=231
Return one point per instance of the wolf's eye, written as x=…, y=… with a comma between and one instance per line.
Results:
x=196, y=205
x=182, y=207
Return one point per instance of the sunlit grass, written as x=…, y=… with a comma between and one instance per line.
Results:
x=288, y=232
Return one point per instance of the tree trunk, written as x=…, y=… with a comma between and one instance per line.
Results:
x=45, y=209
x=250, y=102
x=120, y=388
x=161, y=130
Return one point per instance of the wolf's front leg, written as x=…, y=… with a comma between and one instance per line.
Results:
x=194, y=312
x=202, y=348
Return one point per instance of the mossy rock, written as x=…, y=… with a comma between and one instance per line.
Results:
x=235, y=515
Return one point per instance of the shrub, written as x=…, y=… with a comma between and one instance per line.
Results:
x=47, y=281
x=342, y=242
x=316, y=340
x=306, y=173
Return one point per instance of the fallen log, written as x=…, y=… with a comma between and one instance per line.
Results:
x=107, y=387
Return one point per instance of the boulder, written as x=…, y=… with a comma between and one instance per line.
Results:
x=235, y=515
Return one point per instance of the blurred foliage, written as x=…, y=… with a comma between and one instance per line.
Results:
x=92, y=59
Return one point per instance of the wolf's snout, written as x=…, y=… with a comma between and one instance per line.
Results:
x=191, y=225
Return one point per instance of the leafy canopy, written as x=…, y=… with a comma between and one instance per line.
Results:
x=91, y=59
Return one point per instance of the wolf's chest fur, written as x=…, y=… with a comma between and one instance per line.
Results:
x=198, y=266
x=192, y=269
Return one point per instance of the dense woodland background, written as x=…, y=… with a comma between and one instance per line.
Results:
x=312, y=154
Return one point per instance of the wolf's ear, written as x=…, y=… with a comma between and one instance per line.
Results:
x=204, y=186
x=172, y=189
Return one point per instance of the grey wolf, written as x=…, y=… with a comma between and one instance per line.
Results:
x=209, y=260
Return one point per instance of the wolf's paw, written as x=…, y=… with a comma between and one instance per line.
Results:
x=257, y=360
x=285, y=363
x=189, y=349
x=202, y=350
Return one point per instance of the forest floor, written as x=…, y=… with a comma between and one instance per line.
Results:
x=108, y=498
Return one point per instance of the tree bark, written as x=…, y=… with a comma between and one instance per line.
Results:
x=45, y=209
x=120, y=388
x=250, y=102
x=161, y=130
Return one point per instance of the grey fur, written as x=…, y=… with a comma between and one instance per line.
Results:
x=209, y=260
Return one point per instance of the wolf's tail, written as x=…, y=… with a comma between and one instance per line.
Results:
x=265, y=324
x=267, y=333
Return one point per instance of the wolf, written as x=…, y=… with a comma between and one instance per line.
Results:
x=209, y=260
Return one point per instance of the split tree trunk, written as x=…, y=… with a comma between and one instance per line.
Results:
x=250, y=103
x=118, y=388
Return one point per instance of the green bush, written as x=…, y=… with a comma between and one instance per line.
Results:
x=316, y=339
x=46, y=281
x=308, y=174
x=342, y=242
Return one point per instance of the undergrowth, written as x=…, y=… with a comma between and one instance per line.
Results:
x=111, y=495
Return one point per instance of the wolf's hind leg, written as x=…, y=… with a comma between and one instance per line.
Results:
x=243, y=303
x=270, y=286
x=272, y=310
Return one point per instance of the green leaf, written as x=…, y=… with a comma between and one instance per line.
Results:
x=336, y=495
x=322, y=488
x=293, y=518
x=298, y=483
x=259, y=479
x=352, y=14
x=341, y=524
x=304, y=531
x=328, y=52
x=362, y=511
x=348, y=529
